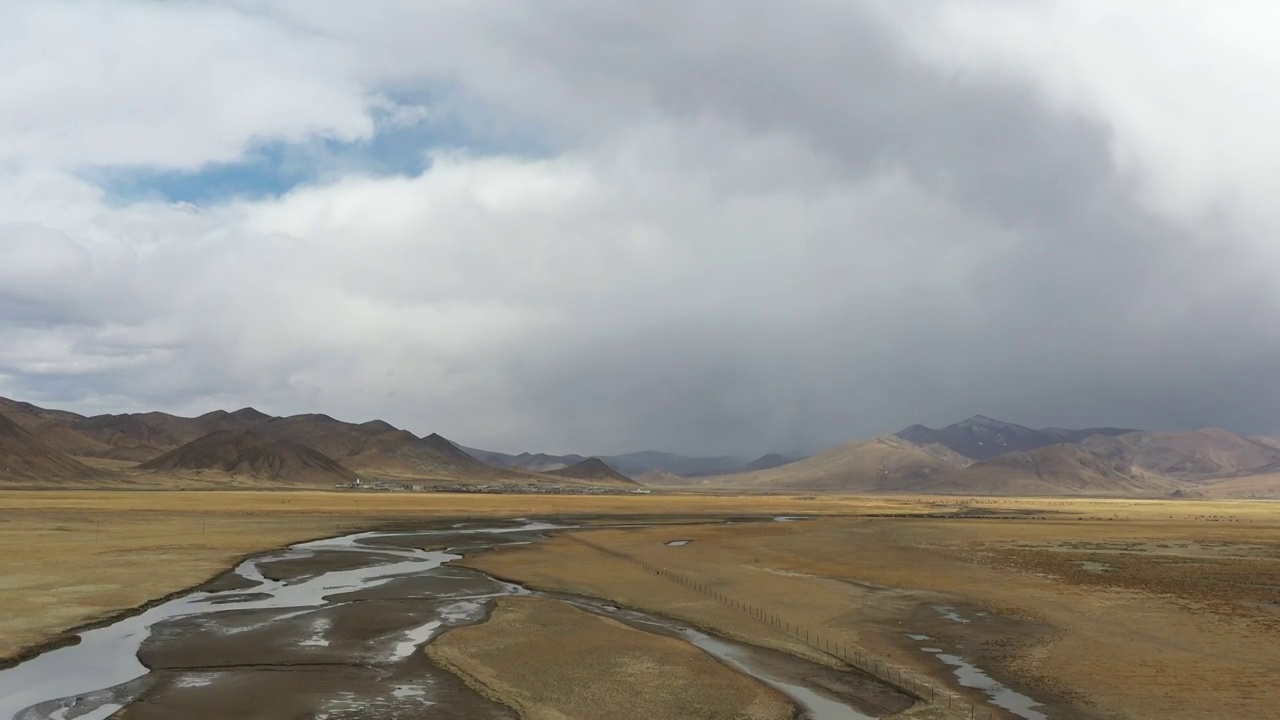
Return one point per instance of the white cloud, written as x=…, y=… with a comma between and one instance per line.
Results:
x=1181, y=86
x=767, y=234
x=171, y=84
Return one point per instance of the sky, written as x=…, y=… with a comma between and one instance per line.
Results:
x=602, y=226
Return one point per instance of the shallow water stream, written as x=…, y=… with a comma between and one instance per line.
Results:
x=327, y=629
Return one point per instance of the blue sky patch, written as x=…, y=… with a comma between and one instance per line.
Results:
x=274, y=168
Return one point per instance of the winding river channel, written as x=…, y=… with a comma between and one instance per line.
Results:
x=331, y=629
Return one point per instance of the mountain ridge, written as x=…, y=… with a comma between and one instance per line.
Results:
x=592, y=468
x=244, y=452
x=26, y=458
x=982, y=438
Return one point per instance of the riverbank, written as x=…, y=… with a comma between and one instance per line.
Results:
x=336, y=626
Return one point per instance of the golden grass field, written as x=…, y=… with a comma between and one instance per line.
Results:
x=73, y=557
x=1142, y=618
x=1106, y=608
x=649, y=676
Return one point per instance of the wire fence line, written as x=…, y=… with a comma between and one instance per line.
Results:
x=850, y=654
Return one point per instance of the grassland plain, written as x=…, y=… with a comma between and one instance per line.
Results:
x=1111, y=608
x=78, y=556
x=1133, y=616
x=649, y=676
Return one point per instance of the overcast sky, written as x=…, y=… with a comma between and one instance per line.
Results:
x=610, y=225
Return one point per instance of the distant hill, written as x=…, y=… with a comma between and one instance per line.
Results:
x=891, y=464
x=136, y=435
x=26, y=458
x=593, y=469
x=983, y=438
x=1062, y=469
x=1197, y=455
x=401, y=453
x=631, y=464
x=41, y=446
x=540, y=462
x=24, y=413
x=132, y=436
x=1204, y=462
x=884, y=463
x=334, y=438
x=689, y=466
x=375, y=448
x=1258, y=485
x=1268, y=441
x=246, y=453
x=767, y=462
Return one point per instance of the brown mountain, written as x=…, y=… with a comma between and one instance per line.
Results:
x=26, y=458
x=883, y=463
x=891, y=464
x=246, y=453
x=1199, y=455
x=1268, y=441
x=130, y=436
x=593, y=469
x=401, y=453
x=53, y=428
x=983, y=438
x=26, y=414
x=334, y=438
x=1063, y=469
x=767, y=462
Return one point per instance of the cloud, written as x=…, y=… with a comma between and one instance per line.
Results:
x=165, y=84
x=775, y=233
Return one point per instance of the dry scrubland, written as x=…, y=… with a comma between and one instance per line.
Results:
x=1104, y=608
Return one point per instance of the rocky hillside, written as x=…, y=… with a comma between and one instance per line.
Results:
x=248, y=454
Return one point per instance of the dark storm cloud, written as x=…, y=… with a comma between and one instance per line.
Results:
x=1095, y=310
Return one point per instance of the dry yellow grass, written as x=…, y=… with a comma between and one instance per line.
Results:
x=1165, y=632
x=63, y=568
x=637, y=675
x=76, y=556
x=1187, y=638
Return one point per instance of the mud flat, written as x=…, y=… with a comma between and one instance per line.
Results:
x=334, y=628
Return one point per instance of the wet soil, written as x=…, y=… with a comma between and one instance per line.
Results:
x=977, y=645
x=336, y=692
x=862, y=692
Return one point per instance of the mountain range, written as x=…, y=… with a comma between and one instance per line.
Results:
x=983, y=438
x=980, y=455
x=39, y=446
x=638, y=463
x=985, y=456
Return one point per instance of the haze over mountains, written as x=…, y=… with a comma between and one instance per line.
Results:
x=979, y=455
x=982, y=455
x=638, y=463
x=983, y=438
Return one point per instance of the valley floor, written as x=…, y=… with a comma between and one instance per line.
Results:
x=1093, y=608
